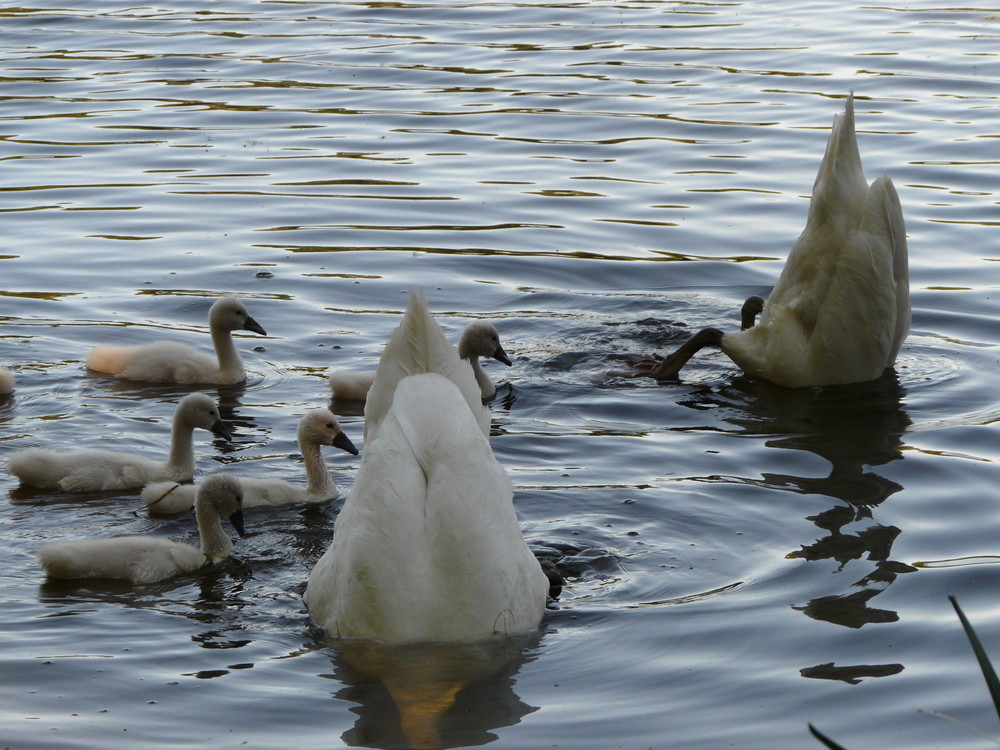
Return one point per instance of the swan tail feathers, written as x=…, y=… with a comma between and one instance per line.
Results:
x=840, y=181
x=35, y=467
x=418, y=346
x=886, y=232
x=168, y=498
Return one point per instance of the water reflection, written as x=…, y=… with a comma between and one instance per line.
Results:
x=855, y=428
x=431, y=695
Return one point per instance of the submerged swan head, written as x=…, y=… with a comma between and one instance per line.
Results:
x=481, y=339
x=320, y=427
x=230, y=314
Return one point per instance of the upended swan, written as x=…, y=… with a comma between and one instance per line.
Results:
x=146, y=559
x=427, y=546
x=317, y=427
x=840, y=310
x=84, y=470
x=175, y=362
x=6, y=381
x=479, y=339
x=417, y=346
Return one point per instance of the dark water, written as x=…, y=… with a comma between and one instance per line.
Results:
x=597, y=179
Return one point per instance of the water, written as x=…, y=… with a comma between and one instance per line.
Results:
x=597, y=179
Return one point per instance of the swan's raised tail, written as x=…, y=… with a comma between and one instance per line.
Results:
x=110, y=359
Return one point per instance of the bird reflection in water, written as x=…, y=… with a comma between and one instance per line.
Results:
x=430, y=695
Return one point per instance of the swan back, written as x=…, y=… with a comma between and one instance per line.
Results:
x=840, y=309
x=428, y=546
x=418, y=346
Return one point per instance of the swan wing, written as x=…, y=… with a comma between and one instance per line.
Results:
x=418, y=346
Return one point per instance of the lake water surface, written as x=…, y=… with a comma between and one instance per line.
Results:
x=597, y=179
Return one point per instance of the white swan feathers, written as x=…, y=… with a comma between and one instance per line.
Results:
x=417, y=346
x=146, y=559
x=85, y=470
x=317, y=427
x=6, y=381
x=840, y=309
x=427, y=546
x=175, y=362
x=479, y=339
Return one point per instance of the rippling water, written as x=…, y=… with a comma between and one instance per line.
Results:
x=597, y=179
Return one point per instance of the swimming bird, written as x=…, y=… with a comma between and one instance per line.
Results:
x=6, y=381
x=94, y=469
x=479, y=339
x=317, y=427
x=840, y=309
x=416, y=346
x=176, y=362
x=146, y=559
x=427, y=546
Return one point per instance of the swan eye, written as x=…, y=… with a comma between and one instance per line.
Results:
x=329, y=425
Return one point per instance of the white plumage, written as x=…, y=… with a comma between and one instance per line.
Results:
x=84, y=470
x=840, y=310
x=479, y=339
x=175, y=362
x=427, y=546
x=145, y=559
x=417, y=346
x=317, y=427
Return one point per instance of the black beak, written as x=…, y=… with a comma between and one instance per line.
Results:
x=344, y=443
x=253, y=325
x=236, y=519
x=220, y=430
x=501, y=356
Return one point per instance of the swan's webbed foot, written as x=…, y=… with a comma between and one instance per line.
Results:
x=749, y=312
x=667, y=368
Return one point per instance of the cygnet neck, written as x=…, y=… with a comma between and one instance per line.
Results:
x=319, y=481
x=181, y=458
x=230, y=363
x=215, y=542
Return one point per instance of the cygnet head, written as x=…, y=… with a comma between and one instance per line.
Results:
x=321, y=427
x=230, y=314
x=199, y=410
x=481, y=339
x=223, y=494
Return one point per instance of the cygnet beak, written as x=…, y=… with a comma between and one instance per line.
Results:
x=343, y=442
x=220, y=430
x=501, y=356
x=253, y=325
x=236, y=519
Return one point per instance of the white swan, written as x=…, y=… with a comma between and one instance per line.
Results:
x=841, y=307
x=317, y=427
x=427, y=546
x=479, y=339
x=145, y=559
x=175, y=362
x=6, y=381
x=416, y=346
x=83, y=470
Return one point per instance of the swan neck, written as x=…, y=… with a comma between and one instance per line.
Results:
x=486, y=387
x=318, y=478
x=225, y=349
x=181, y=459
x=215, y=542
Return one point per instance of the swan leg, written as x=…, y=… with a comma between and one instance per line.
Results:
x=667, y=368
x=752, y=307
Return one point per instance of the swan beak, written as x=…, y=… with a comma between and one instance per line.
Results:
x=220, y=429
x=501, y=356
x=236, y=519
x=253, y=325
x=343, y=442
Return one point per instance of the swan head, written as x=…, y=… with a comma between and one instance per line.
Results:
x=320, y=427
x=199, y=410
x=481, y=339
x=223, y=494
x=230, y=314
